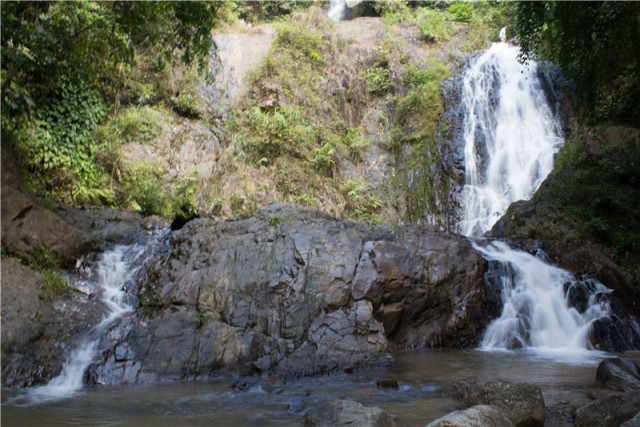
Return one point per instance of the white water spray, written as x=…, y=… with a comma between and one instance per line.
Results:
x=337, y=9
x=509, y=125
x=511, y=137
x=115, y=270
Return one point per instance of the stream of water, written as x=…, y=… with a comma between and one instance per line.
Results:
x=511, y=137
x=114, y=271
x=421, y=376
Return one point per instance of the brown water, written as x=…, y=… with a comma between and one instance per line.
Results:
x=564, y=379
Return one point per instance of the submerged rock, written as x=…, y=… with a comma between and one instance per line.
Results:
x=476, y=416
x=348, y=413
x=523, y=404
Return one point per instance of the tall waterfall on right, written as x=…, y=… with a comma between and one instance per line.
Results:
x=511, y=137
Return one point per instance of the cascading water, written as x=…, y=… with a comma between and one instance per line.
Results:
x=337, y=9
x=511, y=137
x=115, y=270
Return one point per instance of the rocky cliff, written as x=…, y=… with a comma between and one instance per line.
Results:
x=291, y=291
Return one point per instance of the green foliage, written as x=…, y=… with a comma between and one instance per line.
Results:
x=393, y=11
x=433, y=25
x=360, y=204
x=418, y=112
x=594, y=192
x=283, y=130
x=355, y=142
x=325, y=156
x=302, y=43
x=595, y=43
x=243, y=206
x=186, y=102
x=140, y=124
x=275, y=220
x=378, y=80
x=62, y=60
x=261, y=10
x=144, y=190
x=56, y=145
x=53, y=286
x=461, y=11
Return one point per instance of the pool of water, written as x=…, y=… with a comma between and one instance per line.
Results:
x=564, y=378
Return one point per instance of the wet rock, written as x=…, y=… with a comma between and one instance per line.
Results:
x=310, y=296
x=633, y=422
x=608, y=411
x=348, y=413
x=523, y=404
x=619, y=374
x=476, y=416
x=387, y=383
x=37, y=334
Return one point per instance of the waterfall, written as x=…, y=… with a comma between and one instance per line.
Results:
x=115, y=270
x=511, y=137
x=337, y=9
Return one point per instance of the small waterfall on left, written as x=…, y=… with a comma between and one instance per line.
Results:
x=115, y=270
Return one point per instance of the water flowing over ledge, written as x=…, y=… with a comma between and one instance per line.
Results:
x=115, y=270
x=511, y=137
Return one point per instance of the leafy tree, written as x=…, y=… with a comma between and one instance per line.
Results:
x=63, y=61
x=91, y=41
x=595, y=43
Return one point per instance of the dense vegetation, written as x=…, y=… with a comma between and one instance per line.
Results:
x=67, y=65
x=596, y=44
x=593, y=194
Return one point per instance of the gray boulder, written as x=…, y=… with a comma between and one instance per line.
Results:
x=608, y=411
x=619, y=374
x=291, y=291
x=523, y=404
x=476, y=416
x=633, y=422
x=348, y=413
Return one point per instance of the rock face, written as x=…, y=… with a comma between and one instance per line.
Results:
x=36, y=333
x=29, y=229
x=633, y=422
x=476, y=416
x=523, y=404
x=608, y=411
x=619, y=374
x=293, y=292
x=348, y=413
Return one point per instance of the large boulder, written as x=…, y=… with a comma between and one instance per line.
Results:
x=348, y=413
x=608, y=411
x=523, y=404
x=619, y=374
x=293, y=292
x=476, y=416
x=31, y=232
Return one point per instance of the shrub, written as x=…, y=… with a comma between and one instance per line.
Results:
x=144, y=190
x=53, y=285
x=55, y=143
x=378, y=80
